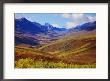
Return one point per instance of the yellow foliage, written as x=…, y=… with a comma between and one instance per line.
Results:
x=30, y=63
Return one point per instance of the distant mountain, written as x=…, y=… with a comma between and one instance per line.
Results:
x=33, y=33
x=50, y=27
x=26, y=26
x=86, y=26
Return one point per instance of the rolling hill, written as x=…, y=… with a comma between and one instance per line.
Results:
x=68, y=50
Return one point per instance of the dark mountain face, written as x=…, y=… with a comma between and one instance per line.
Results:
x=26, y=26
x=87, y=27
x=23, y=25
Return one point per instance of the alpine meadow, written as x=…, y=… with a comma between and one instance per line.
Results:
x=55, y=40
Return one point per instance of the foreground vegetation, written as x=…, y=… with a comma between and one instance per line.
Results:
x=30, y=63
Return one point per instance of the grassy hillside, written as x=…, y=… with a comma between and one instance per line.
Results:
x=72, y=51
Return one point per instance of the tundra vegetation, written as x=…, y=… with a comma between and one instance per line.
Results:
x=67, y=52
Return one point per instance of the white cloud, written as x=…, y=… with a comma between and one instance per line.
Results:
x=55, y=25
x=66, y=15
x=91, y=18
x=77, y=16
x=80, y=18
x=77, y=19
x=71, y=24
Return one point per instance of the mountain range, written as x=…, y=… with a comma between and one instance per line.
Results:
x=33, y=33
x=26, y=26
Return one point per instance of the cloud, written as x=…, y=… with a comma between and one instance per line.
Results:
x=82, y=18
x=55, y=25
x=66, y=15
x=78, y=19
x=91, y=18
x=77, y=16
x=70, y=25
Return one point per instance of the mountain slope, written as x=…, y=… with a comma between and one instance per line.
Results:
x=26, y=26
x=89, y=26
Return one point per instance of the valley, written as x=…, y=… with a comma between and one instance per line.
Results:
x=54, y=47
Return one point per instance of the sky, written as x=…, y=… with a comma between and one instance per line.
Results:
x=61, y=20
